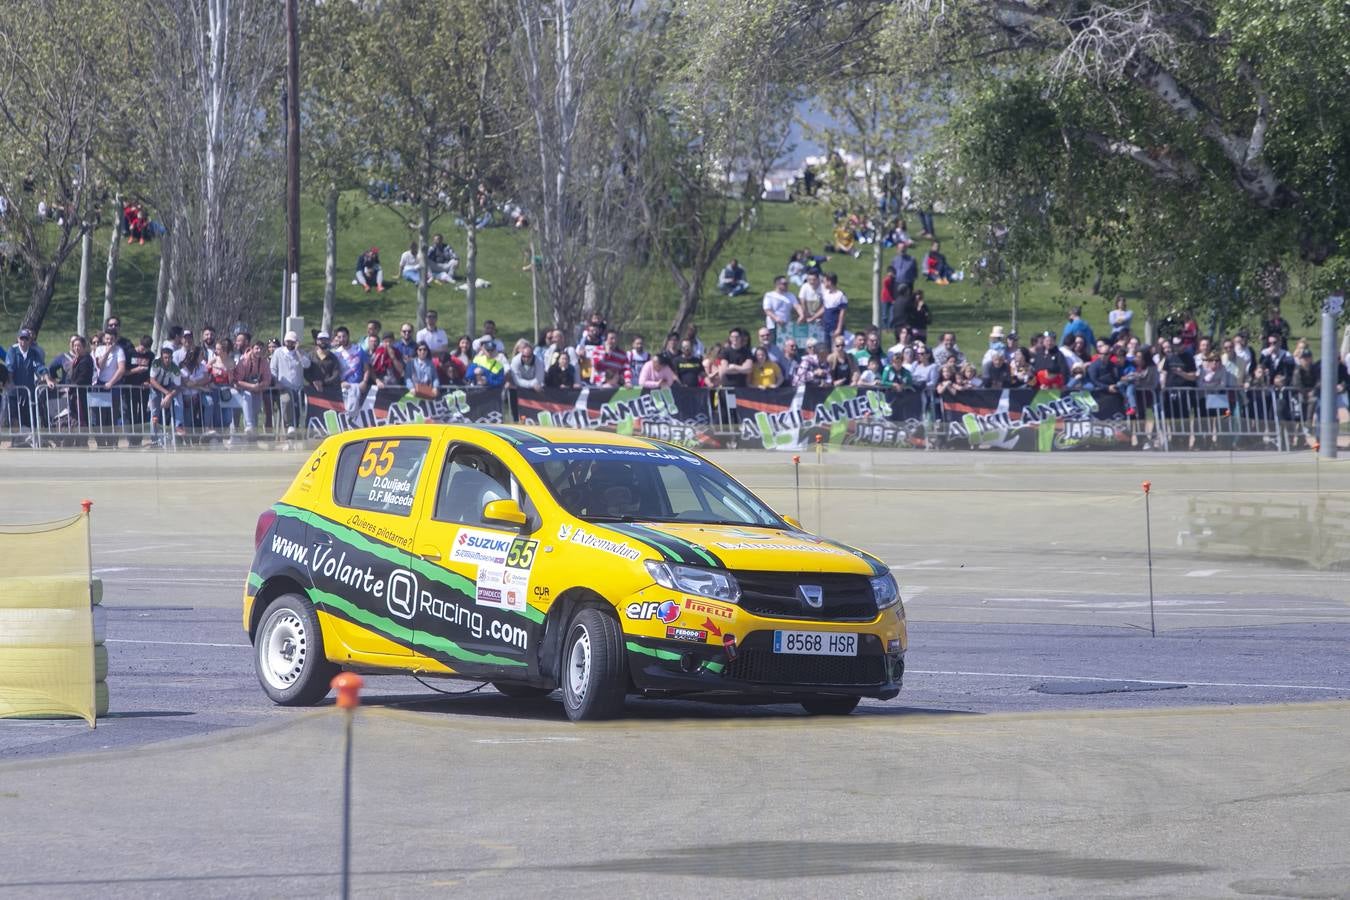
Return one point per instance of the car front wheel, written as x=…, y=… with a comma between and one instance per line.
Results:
x=595, y=675
x=288, y=653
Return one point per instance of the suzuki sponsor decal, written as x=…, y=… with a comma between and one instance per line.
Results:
x=666, y=611
x=473, y=545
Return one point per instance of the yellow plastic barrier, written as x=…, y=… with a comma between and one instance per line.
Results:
x=47, y=665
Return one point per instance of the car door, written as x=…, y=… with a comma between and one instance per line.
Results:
x=360, y=558
x=478, y=618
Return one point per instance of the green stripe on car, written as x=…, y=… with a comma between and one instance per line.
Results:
x=403, y=633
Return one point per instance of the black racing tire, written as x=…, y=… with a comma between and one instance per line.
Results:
x=830, y=705
x=520, y=691
x=288, y=653
x=594, y=667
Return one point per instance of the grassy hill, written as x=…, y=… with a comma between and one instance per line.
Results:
x=763, y=250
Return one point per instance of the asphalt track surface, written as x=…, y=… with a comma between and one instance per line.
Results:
x=1045, y=742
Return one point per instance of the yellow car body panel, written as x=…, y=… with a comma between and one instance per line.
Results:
x=382, y=531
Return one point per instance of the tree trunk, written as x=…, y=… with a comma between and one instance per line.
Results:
x=423, y=238
x=471, y=267
x=689, y=299
x=172, y=285
x=330, y=211
x=114, y=252
x=161, y=289
x=44, y=285
x=1150, y=317
x=82, y=309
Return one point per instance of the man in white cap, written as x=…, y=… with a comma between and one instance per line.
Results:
x=288, y=366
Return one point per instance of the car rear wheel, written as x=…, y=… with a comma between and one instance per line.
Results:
x=288, y=653
x=520, y=691
x=828, y=705
x=595, y=675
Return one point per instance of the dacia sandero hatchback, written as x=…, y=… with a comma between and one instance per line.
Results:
x=542, y=559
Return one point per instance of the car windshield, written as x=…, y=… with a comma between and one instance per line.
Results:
x=614, y=483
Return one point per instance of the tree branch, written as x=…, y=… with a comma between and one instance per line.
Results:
x=1165, y=162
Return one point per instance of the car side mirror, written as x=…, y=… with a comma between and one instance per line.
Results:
x=504, y=512
x=793, y=522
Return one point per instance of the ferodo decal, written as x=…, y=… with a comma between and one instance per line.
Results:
x=473, y=545
x=666, y=611
x=675, y=633
x=703, y=608
x=501, y=587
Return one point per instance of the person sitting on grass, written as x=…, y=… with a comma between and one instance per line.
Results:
x=408, y=266
x=732, y=281
x=369, y=271
x=935, y=267
x=441, y=261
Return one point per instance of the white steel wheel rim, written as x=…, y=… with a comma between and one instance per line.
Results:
x=579, y=664
x=284, y=649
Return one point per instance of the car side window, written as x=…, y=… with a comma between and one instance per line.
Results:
x=472, y=478
x=380, y=475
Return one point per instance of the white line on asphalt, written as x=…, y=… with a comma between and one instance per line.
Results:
x=918, y=565
x=178, y=643
x=1202, y=573
x=542, y=740
x=1240, y=684
x=102, y=550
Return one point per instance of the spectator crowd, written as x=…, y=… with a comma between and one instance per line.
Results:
x=218, y=385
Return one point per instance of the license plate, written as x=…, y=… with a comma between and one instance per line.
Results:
x=815, y=643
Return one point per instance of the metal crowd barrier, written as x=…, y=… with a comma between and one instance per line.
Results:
x=66, y=415
x=1278, y=418
x=18, y=417
x=75, y=415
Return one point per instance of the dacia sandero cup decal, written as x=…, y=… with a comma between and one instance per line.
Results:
x=598, y=565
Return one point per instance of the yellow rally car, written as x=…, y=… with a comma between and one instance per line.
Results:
x=548, y=558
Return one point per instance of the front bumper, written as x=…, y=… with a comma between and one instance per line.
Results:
x=679, y=667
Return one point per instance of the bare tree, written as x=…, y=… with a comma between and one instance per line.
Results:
x=51, y=95
x=214, y=69
x=575, y=181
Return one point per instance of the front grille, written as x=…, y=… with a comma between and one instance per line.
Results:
x=758, y=663
x=846, y=598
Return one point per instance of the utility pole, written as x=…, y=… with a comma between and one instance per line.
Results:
x=293, y=154
x=1331, y=308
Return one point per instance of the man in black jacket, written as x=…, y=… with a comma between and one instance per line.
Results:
x=1048, y=363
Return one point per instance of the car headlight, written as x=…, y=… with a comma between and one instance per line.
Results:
x=711, y=583
x=886, y=591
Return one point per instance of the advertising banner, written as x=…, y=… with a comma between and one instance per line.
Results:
x=677, y=414
x=328, y=411
x=1035, y=420
x=789, y=418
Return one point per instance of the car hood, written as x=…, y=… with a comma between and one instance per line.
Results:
x=752, y=548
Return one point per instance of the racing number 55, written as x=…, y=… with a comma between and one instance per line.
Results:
x=378, y=458
x=521, y=553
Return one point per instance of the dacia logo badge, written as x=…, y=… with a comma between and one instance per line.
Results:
x=813, y=594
